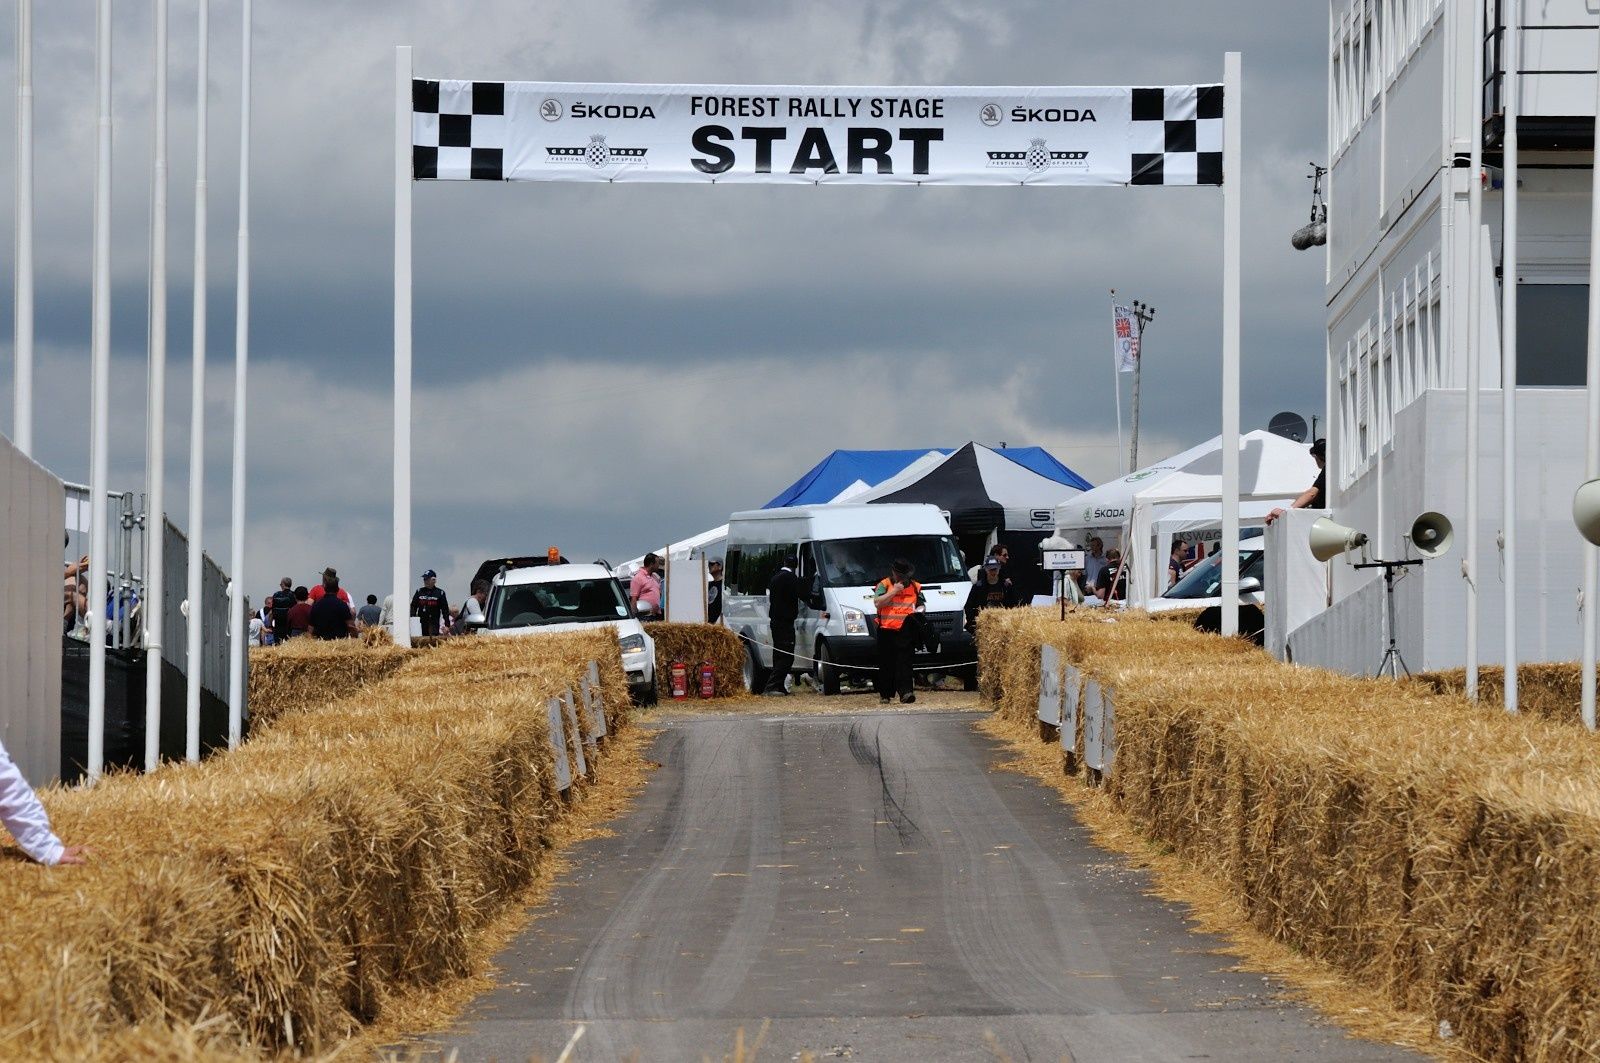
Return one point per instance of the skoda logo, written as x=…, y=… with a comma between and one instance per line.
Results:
x=550, y=110
x=990, y=114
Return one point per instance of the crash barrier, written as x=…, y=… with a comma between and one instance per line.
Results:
x=1441, y=853
x=279, y=897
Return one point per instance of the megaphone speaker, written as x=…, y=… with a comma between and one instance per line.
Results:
x=1586, y=511
x=1432, y=534
x=1329, y=540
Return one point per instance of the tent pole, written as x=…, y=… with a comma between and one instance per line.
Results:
x=1232, y=216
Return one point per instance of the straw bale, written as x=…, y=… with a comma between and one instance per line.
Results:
x=1549, y=691
x=1443, y=854
x=693, y=644
x=307, y=671
x=276, y=897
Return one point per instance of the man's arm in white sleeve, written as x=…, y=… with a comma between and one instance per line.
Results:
x=24, y=816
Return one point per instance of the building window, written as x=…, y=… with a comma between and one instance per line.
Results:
x=1552, y=324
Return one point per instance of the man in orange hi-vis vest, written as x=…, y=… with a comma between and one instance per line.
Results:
x=896, y=599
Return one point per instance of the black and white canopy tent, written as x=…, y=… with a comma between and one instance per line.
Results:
x=991, y=499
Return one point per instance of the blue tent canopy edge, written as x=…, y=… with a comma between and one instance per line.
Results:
x=842, y=468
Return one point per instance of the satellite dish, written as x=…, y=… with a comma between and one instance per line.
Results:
x=1289, y=425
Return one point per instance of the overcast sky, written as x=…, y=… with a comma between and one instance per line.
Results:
x=611, y=367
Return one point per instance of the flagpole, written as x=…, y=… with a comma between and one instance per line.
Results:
x=1116, y=371
x=1476, y=261
x=100, y=398
x=1232, y=227
x=1508, y=349
x=237, y=628
x=155, y=519
x=402, y=343
x=197, y=407
x=22, y=389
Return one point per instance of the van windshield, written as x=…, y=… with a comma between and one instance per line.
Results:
x=863, y=562
x=579, y=601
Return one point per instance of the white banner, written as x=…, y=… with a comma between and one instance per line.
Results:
x=1124, y=339
x=554, y=131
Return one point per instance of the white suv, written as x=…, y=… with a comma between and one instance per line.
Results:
x=571, y=598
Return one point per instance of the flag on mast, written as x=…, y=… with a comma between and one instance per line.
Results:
x=1125, y=339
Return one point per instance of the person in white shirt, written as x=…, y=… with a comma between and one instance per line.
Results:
x=472, y=608
x=25, y=818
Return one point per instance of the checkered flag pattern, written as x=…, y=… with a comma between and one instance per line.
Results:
x=1177, y=136
x=458, y=130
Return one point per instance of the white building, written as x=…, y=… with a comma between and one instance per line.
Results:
x=1400, y=90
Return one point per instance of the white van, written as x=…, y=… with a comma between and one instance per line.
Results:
x=844, y=550
x=566, y=597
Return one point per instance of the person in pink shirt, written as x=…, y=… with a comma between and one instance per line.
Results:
x=644, y=590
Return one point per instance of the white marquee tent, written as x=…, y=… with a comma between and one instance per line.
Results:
x=1272, y=471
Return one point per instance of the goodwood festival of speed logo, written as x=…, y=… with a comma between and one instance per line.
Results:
x=596, y=154
x=1038, y=157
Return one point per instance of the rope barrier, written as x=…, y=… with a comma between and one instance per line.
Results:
x=856, y=667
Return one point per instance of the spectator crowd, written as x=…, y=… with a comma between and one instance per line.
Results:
x=327, y=611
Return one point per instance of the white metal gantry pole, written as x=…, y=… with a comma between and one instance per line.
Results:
x=22, y=292
x=1508, y=350
x=1591, y=553
x=237, y=629
x=156, y=448
x=402, y=342
x=1477, y=262
x=1232, y=179
x=100, y=401
x=197, y=409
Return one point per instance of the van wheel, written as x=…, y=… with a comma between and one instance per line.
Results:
x=969, y=678
x=827, y=673
x=755, y=676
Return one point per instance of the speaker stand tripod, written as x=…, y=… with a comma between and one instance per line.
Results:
x=1392, y=662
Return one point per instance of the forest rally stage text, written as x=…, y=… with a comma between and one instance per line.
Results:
x=719, y=145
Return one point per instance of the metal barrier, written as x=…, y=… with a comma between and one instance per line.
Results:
x=126, y=549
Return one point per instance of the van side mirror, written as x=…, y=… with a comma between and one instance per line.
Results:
x=1249, y=585
x=474, y=623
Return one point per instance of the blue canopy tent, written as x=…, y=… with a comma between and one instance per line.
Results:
x=843, y=468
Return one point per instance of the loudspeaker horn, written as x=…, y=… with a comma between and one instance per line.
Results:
x=1432, y=534
x=1329, y=540
x=1586, y=511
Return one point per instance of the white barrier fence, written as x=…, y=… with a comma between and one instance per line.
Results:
x=1084, y=712
x=572, y=744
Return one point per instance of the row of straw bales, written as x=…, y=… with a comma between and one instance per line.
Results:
x=1445, y=854
x=277, y=897
x=1546, y=691
x=694, y=644
x=305, y=672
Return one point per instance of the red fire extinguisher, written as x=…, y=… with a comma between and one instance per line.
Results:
x=679, y=673
x=708, y=680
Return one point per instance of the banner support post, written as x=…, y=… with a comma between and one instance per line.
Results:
x=402, y=342
x=1232, y=177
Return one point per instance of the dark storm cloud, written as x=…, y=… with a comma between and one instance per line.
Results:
x=594, y=364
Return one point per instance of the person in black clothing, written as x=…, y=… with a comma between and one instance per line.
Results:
x=281, y=602
x=331, y=617
x=992, y=591
x=1315, y=496
x=783, y=609
x=1112, y=583
x=429, y=603
x=714, y=593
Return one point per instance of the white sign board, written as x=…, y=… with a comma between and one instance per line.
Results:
x=1063, y=560
x=1049, y=686
x=1108, y=730
x=1071, y=697
x=592, y=701
x=575, y=730
x=1093, y=751
x=558, y=744
x=833, y=134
